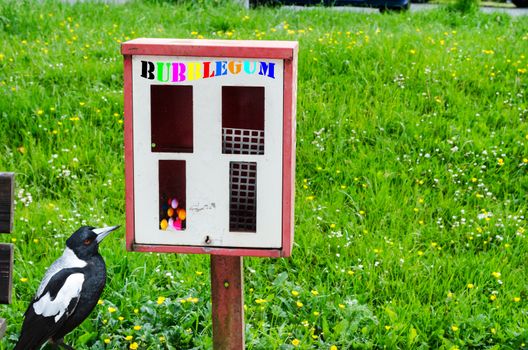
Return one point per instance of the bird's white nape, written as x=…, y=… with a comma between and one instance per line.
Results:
x=71, y=289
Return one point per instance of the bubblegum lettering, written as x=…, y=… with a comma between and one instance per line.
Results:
x=221, y=68
x=147, y=70
x=163, y=74
x=248, y=69
x=267, y=69
x=178, y=72
x=207, y=70
x=194, y=71
x=234, y=67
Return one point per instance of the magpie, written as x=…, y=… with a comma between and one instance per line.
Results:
x=68, y=292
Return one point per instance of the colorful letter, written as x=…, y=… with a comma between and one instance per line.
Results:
x=234, y=67
x=147, y=70
x=178, y=71
x=267, y=69
x=207, y=72
x=221, y=68
x=194, y=70
x=248, y=69
x=163, y=74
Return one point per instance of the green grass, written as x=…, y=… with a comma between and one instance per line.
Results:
x=412, y=181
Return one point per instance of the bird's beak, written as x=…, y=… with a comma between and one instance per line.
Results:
x=103, y=232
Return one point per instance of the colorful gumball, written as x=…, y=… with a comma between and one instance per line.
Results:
x=164, y=224
x=170, y=212
x=174, y=203
x=182, y=214
x=178, y=224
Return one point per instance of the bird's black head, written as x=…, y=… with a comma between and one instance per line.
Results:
x=85, y=241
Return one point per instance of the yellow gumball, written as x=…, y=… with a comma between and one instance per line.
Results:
x=164, y=224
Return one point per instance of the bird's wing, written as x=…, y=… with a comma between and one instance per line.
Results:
x=47, y=313
x=61, y=295
x=67, y=260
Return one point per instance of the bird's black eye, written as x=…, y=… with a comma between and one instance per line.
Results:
x=88, y=241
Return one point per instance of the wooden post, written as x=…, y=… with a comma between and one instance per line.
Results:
x=7, y=185
x=227, y=293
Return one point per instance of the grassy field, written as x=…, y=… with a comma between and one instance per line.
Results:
x=412, y=177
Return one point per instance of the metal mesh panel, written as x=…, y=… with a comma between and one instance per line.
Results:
x=243, y=197
x=242, y=141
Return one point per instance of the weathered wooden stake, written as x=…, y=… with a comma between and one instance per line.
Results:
x=227, y=292
x=7, y=185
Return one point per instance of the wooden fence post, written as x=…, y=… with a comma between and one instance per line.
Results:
x=7, y=185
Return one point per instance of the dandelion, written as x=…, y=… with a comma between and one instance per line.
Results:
x=160, y=300
x=388, y=328
x=333, y=347
x=137, y=327
x=128, y=338
x=100, y=302
x=23, y=279
x=454, y=328
x=500, y=161
x=296, y=342
x=470, y=286
x=314, y=293
x=496, y=274
x=299, y=304
x=316, y=313
x=493, y=297
x=260, y=301
x=450, y=295
x=516, y=299
x=134, y=346
x=111, y=309
x=310, y=198
x=341, y=306
x=106, y=340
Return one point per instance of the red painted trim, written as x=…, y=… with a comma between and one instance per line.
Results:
x=288, y=162
x=129, y=153
x=273, y=253
x=210, y=48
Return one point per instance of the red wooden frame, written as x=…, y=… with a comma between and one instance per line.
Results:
x=284, y=50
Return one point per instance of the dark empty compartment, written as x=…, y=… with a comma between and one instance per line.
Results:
x=171, y=112
x=242, y=120
x=243, y=196
x=172, y=195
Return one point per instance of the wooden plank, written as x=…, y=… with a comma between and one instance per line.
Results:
x=6, y=273
x=227, y=302
x=7, y=187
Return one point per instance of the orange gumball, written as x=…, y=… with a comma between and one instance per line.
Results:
x=170, y=212
x=182, y=214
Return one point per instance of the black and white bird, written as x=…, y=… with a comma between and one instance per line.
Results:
x=68, y=292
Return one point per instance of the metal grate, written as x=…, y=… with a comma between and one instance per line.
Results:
x=243, y=197
x=242, y=141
